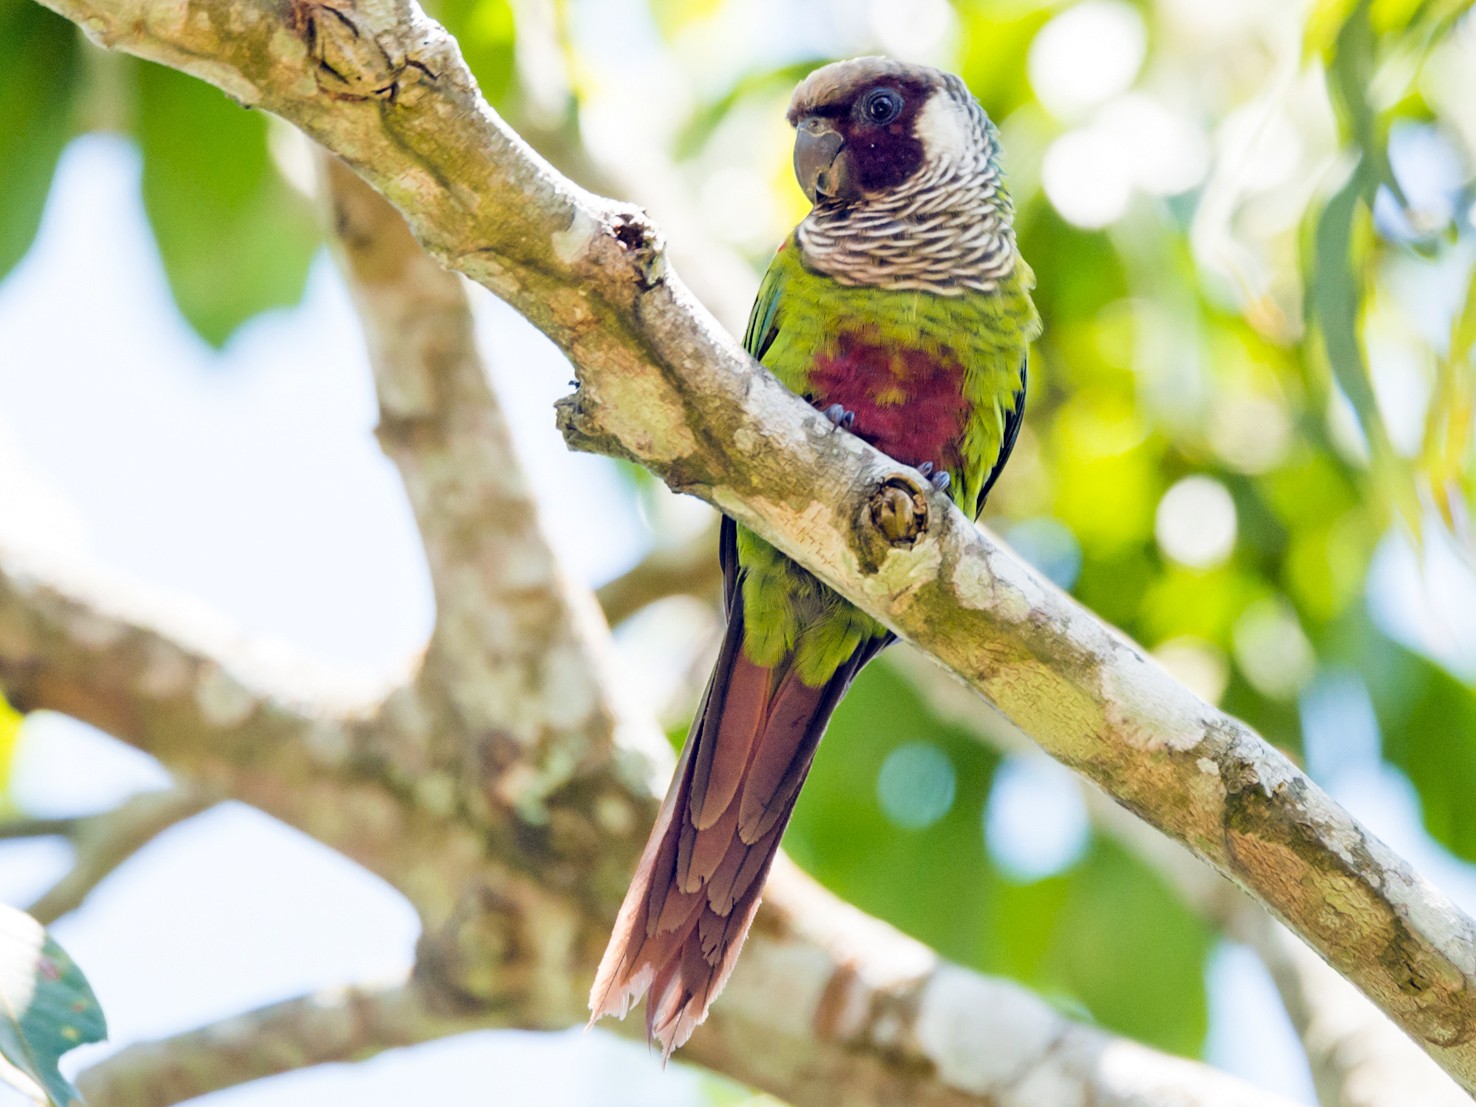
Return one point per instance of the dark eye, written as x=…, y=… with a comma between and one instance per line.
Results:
x=881, y=106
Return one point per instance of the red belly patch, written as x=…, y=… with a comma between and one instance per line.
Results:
x=909, y=404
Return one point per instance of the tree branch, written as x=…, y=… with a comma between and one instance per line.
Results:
x=104, y=841
x=826, y=1003
x=28, y=826
x=512, y=662
x=347, y=1024
x=660, y=384
x=1358, y=1058
x=688, y=569
x=420, y=338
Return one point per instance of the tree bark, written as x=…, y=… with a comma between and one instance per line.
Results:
x=659, y=383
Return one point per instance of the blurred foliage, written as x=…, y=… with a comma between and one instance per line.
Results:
x=39, y=63
x=234, y=237
x=1252, y=227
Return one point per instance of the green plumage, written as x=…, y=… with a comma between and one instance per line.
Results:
x=796, y=324
x=901, y=308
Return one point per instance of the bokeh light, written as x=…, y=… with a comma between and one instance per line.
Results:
x=1195, y=522
x=916, y=785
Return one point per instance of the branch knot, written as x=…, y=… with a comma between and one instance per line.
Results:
x=895, y=516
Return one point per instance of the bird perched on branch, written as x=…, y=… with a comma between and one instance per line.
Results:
x=900, y=307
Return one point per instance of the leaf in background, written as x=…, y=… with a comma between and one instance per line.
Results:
x=46, y=1007
x=928, y=873
x=1129, y=949
x=40, y=63
x=235, y=239
x=1449, y=424
x=706, y=119
x=674, y=16
x=486, y=31
x=1428, y=721
x=1336, y=299
x=1351, y=64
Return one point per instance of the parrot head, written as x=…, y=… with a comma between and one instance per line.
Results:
x=869, y=126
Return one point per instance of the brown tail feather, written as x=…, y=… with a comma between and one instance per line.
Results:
x=698, y=883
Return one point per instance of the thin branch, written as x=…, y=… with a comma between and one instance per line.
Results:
x=345, y=1024
x=688, y=569
x=106, y=840
x=661, y=384
x=14, y=830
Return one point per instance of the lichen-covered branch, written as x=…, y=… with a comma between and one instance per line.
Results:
x=1358, y=1058
x=511, y=677
x=385, y=88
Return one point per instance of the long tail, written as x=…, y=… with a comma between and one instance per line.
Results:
x=697, y=886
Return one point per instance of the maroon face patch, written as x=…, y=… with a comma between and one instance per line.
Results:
x=878, y=120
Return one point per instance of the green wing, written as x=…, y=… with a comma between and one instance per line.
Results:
x=1013, y=419
x=763, y=325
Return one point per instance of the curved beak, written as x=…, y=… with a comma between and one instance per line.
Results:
x=818, y=161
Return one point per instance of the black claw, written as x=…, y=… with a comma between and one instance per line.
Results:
x=848, y=420
x=926, y=468
x=941, y=480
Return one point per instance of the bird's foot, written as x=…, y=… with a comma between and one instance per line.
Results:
x=840, y=416
x=938, y=478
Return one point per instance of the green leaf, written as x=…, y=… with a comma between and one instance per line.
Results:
x=1130, y=950
x=1336, y=299
x=931, y=880
x=1428, y=721
x=234, y=238
x=1450, y=422
x=486, y=31
x=1350, y=75
x=40, y=59
x=46, y=1008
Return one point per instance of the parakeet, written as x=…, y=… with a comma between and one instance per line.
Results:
x=901, y=307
